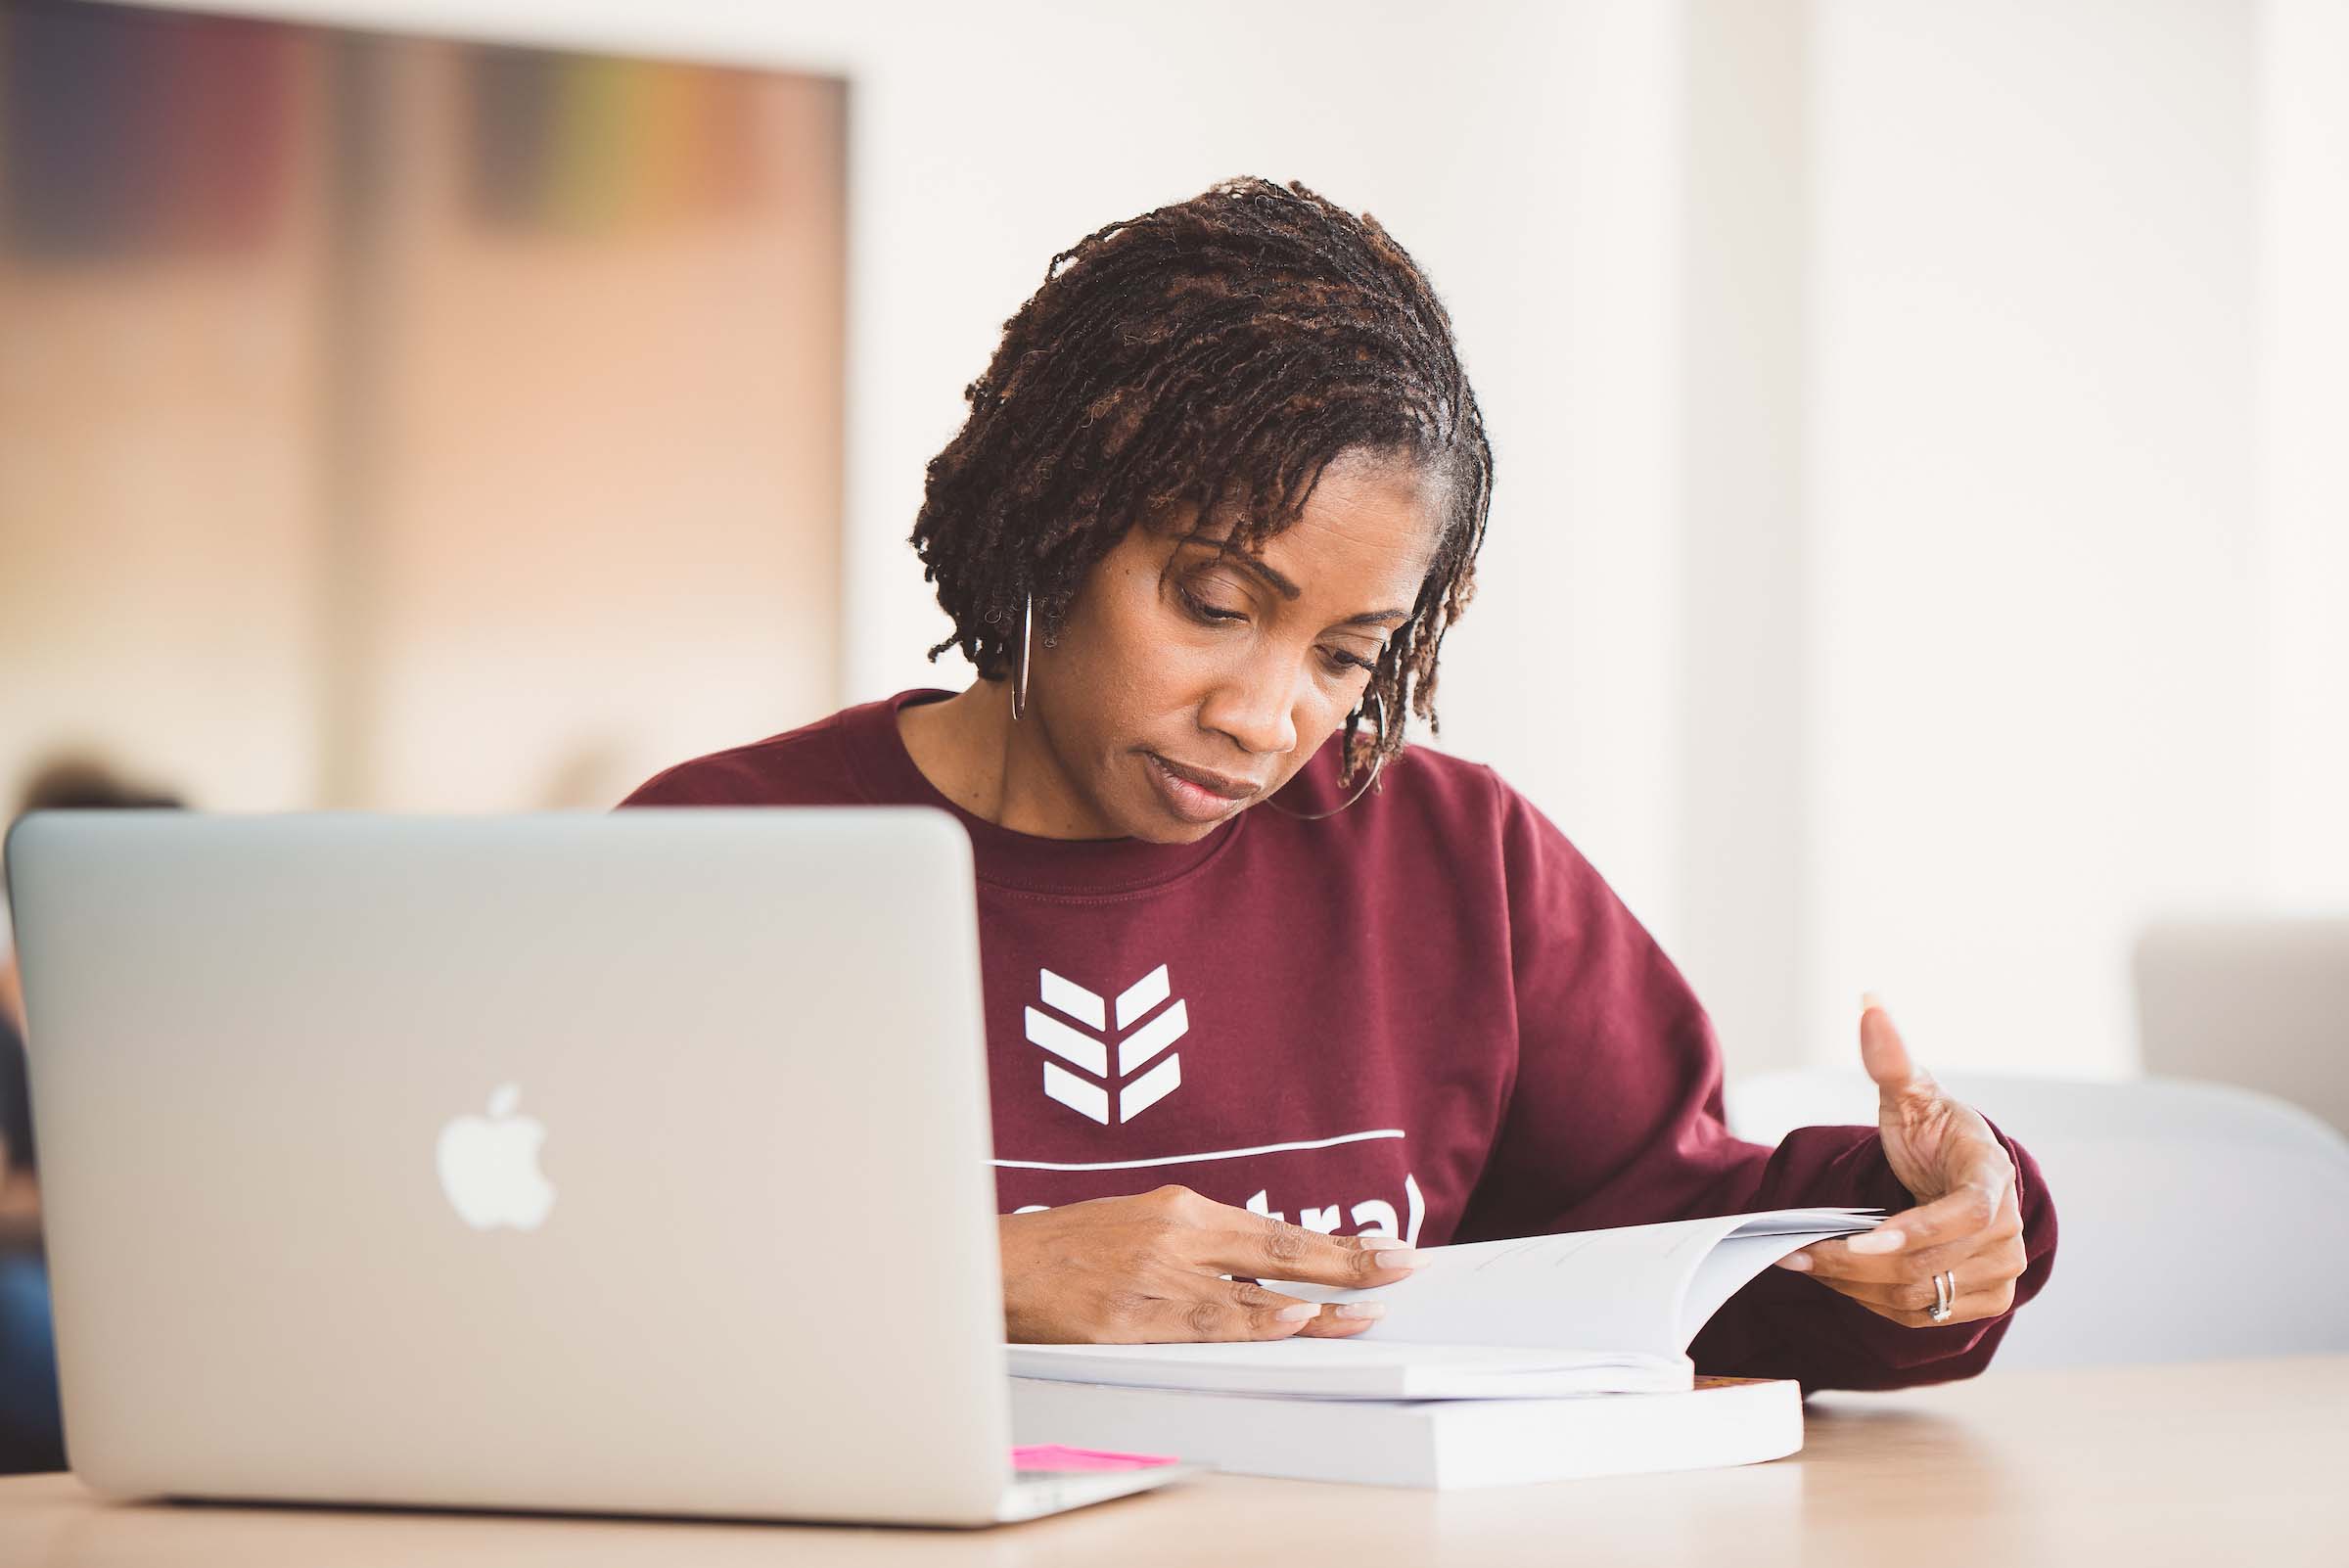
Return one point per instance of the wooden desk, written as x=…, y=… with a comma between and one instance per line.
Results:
x=2242, y=1462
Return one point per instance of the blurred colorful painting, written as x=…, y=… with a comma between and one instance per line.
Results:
x=396, y=422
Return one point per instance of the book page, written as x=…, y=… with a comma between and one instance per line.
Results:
x=1631, y=1288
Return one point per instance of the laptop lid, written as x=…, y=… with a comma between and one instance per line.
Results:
x=632, y=1162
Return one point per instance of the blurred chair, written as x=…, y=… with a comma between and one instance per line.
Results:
x=2260, y=1003
x=2195, y=1219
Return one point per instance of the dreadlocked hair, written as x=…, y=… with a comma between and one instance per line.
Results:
x=1214, y=354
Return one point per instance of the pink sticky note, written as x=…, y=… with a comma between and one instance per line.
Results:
x=1052, y=1456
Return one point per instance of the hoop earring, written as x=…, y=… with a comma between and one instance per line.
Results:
x=1019, y=684
x=1379, y=762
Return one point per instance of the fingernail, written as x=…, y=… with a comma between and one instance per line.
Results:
x=1360, y=1309
x=1799, y=1262
x=1877, y=1242
x=1297, y=1314
x=1399, y=1257
x=1867, y=999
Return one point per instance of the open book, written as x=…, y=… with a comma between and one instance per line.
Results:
x=1586, y=1312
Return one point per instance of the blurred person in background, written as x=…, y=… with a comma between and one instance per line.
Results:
x=32, y=1430
x=1218, y=499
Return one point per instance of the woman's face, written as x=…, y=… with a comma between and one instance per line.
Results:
x=1232, y=670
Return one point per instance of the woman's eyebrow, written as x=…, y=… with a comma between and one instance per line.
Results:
x=1290, y=591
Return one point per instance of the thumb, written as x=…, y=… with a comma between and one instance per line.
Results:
x=1885, y=1057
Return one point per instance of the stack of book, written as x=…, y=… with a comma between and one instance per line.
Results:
x=1496, y=1361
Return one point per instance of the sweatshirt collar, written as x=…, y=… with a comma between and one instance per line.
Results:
x=1006, y=859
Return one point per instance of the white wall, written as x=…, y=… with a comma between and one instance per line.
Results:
x=2304, y=344
x=2062, y=553
x=1744, y=928
x=2031, y=457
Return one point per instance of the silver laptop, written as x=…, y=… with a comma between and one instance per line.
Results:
x=630, y=1163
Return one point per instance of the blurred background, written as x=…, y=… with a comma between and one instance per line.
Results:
x=1921, y=504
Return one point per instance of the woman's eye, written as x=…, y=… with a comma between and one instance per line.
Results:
x=1216, y=615
x=1205, y=611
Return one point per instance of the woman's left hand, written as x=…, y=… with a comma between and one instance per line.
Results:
x=1966, y=1221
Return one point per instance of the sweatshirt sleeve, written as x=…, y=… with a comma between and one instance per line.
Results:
x=1614, y=1118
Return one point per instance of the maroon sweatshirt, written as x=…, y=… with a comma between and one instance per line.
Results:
x=1426, y=1017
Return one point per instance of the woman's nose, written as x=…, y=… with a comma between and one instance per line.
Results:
x=1256, y=706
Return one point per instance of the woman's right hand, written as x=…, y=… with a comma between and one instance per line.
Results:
x=1147, y=1270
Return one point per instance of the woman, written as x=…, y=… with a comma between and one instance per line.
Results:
x=1268, y=996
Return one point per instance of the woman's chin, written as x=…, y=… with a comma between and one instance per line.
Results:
x=1167, y=831
x=1153, y=823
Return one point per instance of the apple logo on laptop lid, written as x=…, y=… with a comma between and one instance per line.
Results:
x=489, y=1166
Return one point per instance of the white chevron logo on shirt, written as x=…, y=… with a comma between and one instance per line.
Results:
x=1089, y=1048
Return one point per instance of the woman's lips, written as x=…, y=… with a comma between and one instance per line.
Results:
x=1187, y=799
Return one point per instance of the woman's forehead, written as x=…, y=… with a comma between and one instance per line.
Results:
x=1362, y=527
